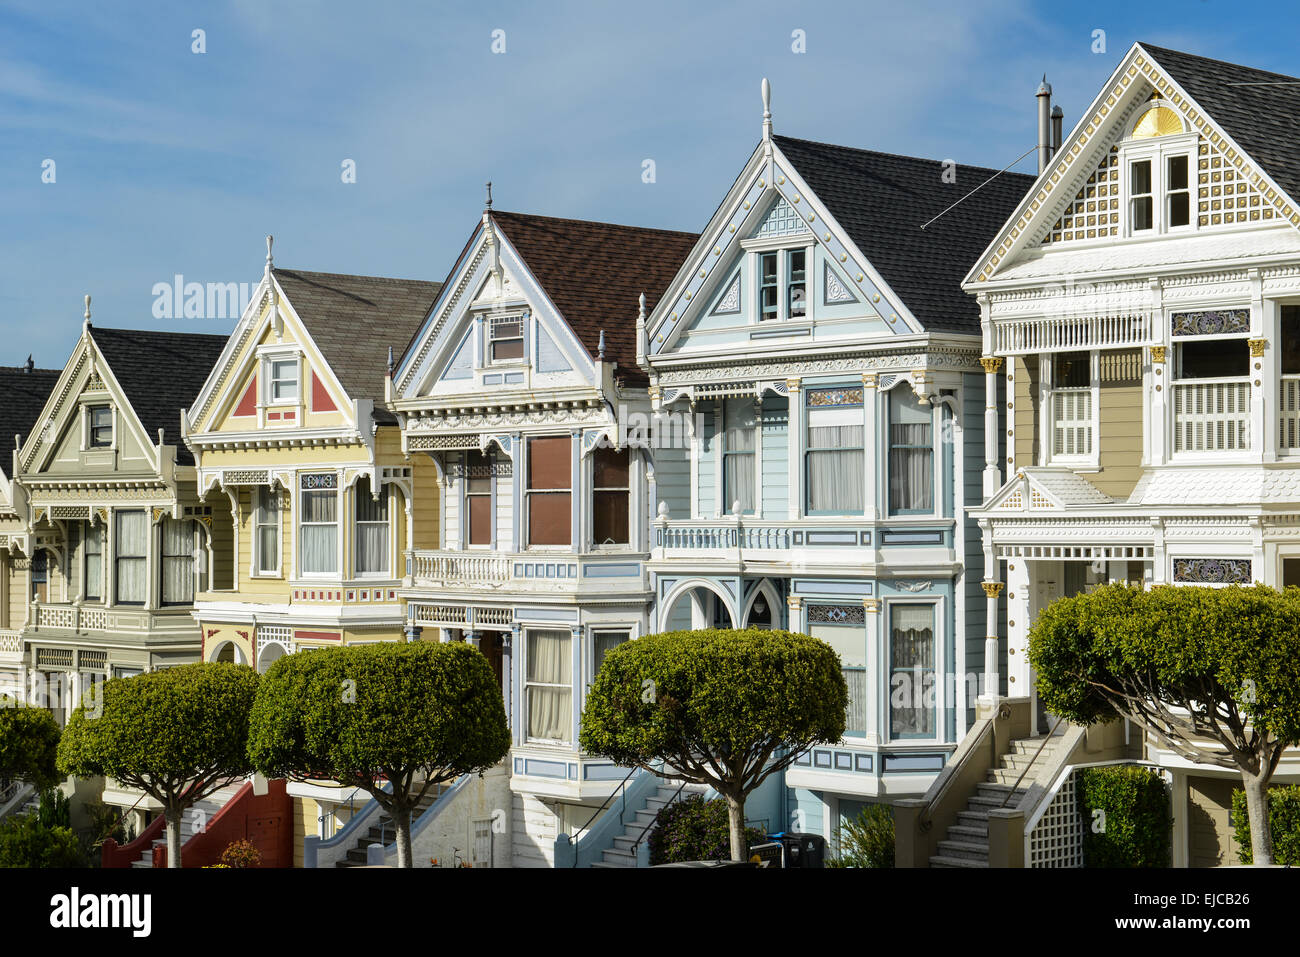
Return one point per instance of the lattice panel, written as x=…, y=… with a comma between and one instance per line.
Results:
x=1094, y=211
x=1223, y=195
x=1057, y=838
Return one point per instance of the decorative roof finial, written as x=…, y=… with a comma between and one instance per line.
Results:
x=270, y=263
x=489, y=194
x=1044, y=88
x=30, y=365
x=601, y=346
x=390, y=362
x=767, y=110
x=86, y=324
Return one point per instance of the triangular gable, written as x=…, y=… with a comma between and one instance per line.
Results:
x=768, y=198
x=1043, y=490
x=461, y=365
x=1059, y=208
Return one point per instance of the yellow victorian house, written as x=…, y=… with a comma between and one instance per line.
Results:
x=290, y=435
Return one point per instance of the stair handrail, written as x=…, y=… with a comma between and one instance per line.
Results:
x=655, y=819
x=924, y=819
x=621, y=790
x=1016, y=787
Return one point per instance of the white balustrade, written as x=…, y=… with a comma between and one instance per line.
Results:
x=1052, y=333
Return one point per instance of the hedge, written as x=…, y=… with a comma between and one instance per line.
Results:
x=1135, y=828
x=866, y=840
x=1283, y=818
x=694, y=829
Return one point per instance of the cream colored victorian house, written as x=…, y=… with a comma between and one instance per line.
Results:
x=23, y=391
x=1141, y=322
x=320, y=504
x=117, y=538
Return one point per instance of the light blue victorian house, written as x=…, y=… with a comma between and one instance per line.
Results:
x=820, y=428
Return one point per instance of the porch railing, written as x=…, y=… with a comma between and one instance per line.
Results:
x=1054, y=332
x=1212, y=415
x=71, y=617
x=11, y=643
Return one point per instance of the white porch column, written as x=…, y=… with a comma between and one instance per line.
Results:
x=877, y=674
x=871, y=442
x=508, y=679
x=1158, y=413
x=795, y=437
x=992, y=678
x=1266, y=381
x=992, y=473
x=700, y=617
x=1018, y=593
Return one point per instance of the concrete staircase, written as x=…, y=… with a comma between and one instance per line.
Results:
x=623, y=853
x=191, y=822
x=967, y=842
x=382, y=831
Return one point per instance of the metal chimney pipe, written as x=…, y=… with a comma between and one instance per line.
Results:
x=1058, y=117
x=1044, y=95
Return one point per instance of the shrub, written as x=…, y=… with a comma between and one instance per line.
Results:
x=241, y=854
x=55, y=810
x=26, y=842
x=1135, y=827
x=1283, y=818
x=694, y=829
x=866, y=840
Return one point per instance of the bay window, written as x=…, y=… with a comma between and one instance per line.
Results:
x=843, y=627
x=610, y=497
x=911, y=455
x=92, y=538
x=371, y=529
x=478, y=498
x=130, y=550
x=835, y=456
x=178, y=562
x=912, y=688
x=550, y=492
x=266, y=532
x=740, y=429
x=318, y=523
x=548, y=685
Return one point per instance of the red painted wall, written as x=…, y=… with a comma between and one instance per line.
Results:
x=266, y=820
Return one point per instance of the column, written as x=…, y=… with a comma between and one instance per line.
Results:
x=508, y=679
x=992, y=473
x=576, y=498
x=1263, y=380
x=872, y=438
x=992, y=589
x=473, y=638
x=579, y=685
x=795, y=437
x=877, y=673
x=1157, y=415
x=1018, y=592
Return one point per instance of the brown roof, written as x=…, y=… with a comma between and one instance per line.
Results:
x=594, y=272
x=355, y=320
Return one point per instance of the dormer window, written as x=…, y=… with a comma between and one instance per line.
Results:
x=1158, y=157
x=283, y=379
x=782, y=277
x=506, y=338
x=99, y=427
x=1141, y=203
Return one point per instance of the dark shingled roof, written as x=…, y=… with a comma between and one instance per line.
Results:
x=1263, y=119
x=356, y=319
x=882, y=200
x=594, y=273
x=23, y=394
x=161, y=374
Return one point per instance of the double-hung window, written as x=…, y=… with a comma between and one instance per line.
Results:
x=835, y=457
x=796, y=283
x=610, y=497
x=1158, y=157
x=1212, y=395
x=912, y=690
x=550, y=490
x=506, y=338
x=1072, y=405
x=282, y=381
x=782, y=284
x=769, y=292
x=99, y=427
x=319, y=525
x=844, y=628
x=602, y=643
x=372, y=529
x=548, y=685
x=911, y=455
x=178, y=562
x=266, y=535
x=92, y=539
x=478, y=498
x=740, y=431
x=130, y=548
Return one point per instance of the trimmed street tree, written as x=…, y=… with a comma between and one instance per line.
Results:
x=410, y=715
x=29, y=743
x=179, y=735
x=1212, y=673
x=721, y=707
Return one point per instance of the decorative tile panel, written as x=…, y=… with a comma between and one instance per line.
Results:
x=1212, y=571
x=825, y=398
x=1223, y=195
x=782, y=220
x=836, y=614
x=1094, y=211
x=834, y=291
x=1215, y=322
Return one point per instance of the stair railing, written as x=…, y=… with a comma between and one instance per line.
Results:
x=926, y=818
x=621, y=790
x=655, y=820
x=1016, y=787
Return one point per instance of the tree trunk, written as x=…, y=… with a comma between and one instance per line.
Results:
x=1261, y=834
x=402, y=823
x=736, y=827
x=173, y=819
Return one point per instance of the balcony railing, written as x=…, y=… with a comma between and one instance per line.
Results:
x=11, y=643
x=71, y=617
x=1054, y=332
x=1212, y=415
x=528, y=571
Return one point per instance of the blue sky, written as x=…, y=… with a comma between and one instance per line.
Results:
x=168, y=161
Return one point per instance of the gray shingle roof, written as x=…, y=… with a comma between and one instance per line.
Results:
x=1264, y=118
x=356, y=319
x=882, y=200
x=161, y=374
x=23, y=394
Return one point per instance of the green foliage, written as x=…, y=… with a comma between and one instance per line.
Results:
x=241, y=854
x=866, y=840
x=368, y=712
x=29, y=741
x=26, y=842
x=694, y=829
x=166, y=732
x=1283, y=819
x=55, y=809
x=105, y=821
x=1135, y=827
x=738, y=697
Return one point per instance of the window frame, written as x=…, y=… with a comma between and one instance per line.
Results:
x=385, y=504
x=491, y=322
x=1048, y=403
x=808, y=451
x=1158, y=150
x=726, y=452
x=164, y=558
x=529, y=737
x=337, y=524
x=91, y=445
x=625, y=489
x=628, y=631
x=86, y=555
x=491, y=495
x=271, y=362
x=261, y=496
x=782, y=248
x=936, y=457
x=530, y=493
x=119, y=558
x=938, y=669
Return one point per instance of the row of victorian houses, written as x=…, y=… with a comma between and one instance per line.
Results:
x=892, y=403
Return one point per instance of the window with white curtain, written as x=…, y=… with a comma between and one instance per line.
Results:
x=130, y=551
x=319, y=525
x=372, y=529
x=740, y=430
x=92, y=537
x=548, y=685
x=602, y=643
x=912, y=690
x=835, y=457
x=177, y=562
x=911, y=454
x=844, y=628
x=266, y=535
